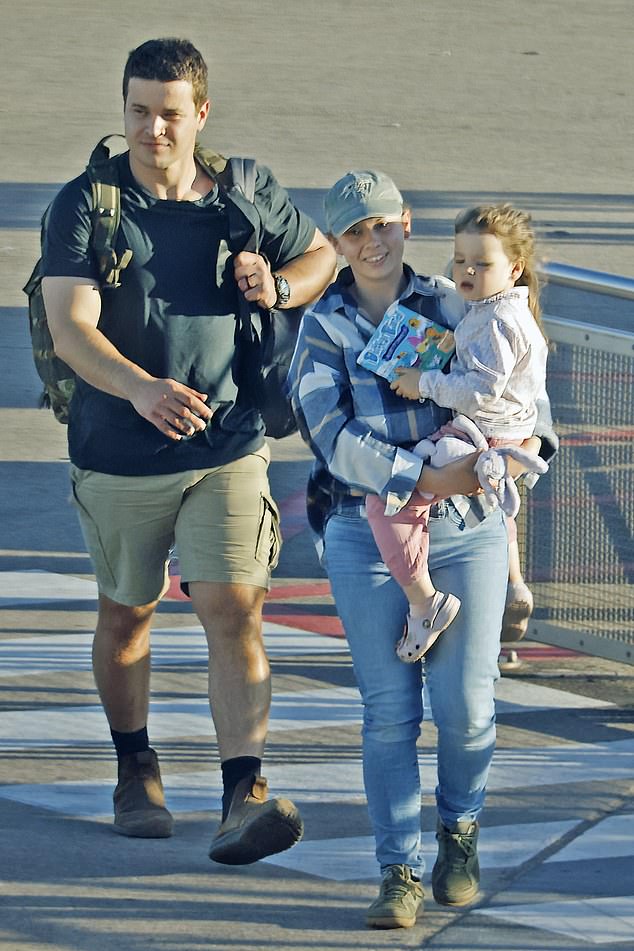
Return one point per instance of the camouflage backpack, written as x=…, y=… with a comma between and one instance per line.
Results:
x=57, y=377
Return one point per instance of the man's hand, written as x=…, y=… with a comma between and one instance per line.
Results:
x=406, y=383
x=175, y=409
x=253, y=277
x=73, y=307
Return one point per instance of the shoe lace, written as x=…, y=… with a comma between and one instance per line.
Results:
x=461, y=842
x=395, y=887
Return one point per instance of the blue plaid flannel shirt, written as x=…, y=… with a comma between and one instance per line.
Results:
x=360, y=432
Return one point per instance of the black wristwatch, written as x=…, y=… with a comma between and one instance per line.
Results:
x=282, y=289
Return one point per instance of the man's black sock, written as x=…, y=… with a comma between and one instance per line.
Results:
x=126, y=743
x=233, y=770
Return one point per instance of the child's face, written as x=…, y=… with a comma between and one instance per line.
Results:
x=481, y=267
x=374, y=247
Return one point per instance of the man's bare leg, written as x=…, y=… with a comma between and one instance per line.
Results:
x=121, y=665
x=239, y=673
x=240, y=698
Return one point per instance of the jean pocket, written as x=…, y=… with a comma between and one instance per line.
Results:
x=438, y=511
x=454, y=515
x=349, y=512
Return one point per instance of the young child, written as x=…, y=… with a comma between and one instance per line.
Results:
x=496, y=377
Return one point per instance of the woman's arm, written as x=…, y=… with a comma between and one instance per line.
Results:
x=456, y=478
x=323, y=403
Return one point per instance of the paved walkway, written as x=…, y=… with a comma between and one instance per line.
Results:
x=556, y=845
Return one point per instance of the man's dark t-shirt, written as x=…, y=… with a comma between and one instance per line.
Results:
x=174, y=315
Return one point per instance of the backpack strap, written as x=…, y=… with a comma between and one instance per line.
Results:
x=243, y=175
x=267, y=338
x=237, y=178
x=103, y=174
x=235, y=172
x=213, y=161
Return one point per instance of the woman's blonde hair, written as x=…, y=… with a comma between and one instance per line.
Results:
x=514, y=229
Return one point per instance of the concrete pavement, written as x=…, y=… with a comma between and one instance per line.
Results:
x=556, y=842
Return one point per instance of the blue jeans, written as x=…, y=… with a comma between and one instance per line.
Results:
x=460, y=671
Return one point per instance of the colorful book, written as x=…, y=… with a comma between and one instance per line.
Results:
x=406, y=339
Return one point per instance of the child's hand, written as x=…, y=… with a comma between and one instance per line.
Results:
x=407, y=383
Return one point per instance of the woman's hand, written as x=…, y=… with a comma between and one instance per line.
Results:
x=514, y=468
x=456, y=478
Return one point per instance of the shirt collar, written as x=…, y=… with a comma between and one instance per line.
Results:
x=519, y=292
x=347, y=304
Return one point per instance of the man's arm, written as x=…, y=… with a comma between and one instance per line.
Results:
x=73, y=306
x=308, y=275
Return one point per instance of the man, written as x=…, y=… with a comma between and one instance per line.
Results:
x=164, y=443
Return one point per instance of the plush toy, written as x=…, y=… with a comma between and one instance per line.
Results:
x=498, y=486
x=492, y=465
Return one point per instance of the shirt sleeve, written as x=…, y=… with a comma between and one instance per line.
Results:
x=323, y=404
x=286, y=231
x=66, y=250
x=479, y=373
x=544, y=427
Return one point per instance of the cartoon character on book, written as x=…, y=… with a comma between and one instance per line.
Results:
x=437, y=344
x=407, y=339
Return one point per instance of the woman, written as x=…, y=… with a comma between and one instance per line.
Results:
x=361, y=434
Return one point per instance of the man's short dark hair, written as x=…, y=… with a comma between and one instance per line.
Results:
x=167, y=60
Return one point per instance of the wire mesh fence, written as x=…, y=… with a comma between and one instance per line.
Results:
x=576, y=527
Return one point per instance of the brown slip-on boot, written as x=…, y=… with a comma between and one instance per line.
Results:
x=139, y=803
x=255, y=826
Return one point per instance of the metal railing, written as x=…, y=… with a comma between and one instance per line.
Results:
x=584, y=279
x=576, y=527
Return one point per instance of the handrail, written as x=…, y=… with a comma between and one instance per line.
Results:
x=584, y=279
x=577, y=334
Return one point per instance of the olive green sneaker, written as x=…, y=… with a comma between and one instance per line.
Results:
x=400, y=900
x=455, y=878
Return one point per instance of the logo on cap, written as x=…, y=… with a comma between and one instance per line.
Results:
x=360, y=186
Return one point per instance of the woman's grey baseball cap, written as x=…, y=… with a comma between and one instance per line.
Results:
x=360, y=195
